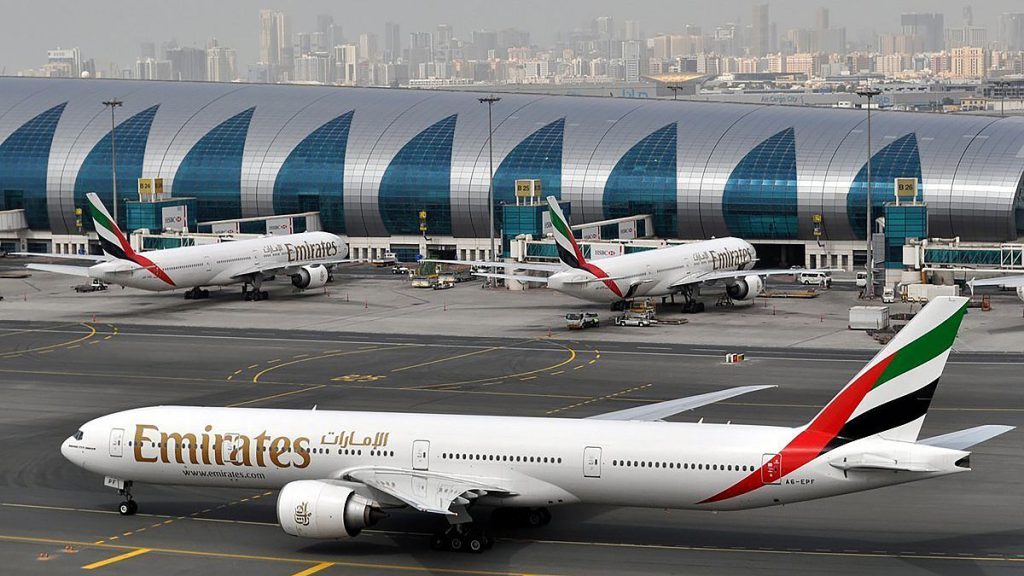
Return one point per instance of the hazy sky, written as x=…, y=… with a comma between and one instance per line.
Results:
x=111, y=30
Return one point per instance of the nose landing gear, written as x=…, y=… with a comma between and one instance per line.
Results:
x=127, y=507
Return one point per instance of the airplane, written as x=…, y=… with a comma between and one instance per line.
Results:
x=307, y=258
x=338, y=472
x=662, y=272
x=1016, y=282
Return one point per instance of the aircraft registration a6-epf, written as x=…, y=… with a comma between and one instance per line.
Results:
x=338, y=472
x=307, y=258
x=677, y=269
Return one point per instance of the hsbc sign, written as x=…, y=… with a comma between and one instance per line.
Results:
x=174, y=218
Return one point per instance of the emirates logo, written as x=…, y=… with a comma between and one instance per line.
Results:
x=302, y=514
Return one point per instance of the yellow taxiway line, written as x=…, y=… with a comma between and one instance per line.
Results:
x=118, y=558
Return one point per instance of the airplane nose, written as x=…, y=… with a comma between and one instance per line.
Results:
x=64, y=450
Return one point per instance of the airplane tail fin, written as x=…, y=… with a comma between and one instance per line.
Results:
x=569, y=251
x=890, y=396
x=112, y=240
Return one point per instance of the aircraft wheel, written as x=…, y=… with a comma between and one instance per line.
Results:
x=455, y=543
x=127, y=508
x=698, y=307
x=437, y=541
x=264, y=295
x=474, y=543
x=534, y=517
x=188, y=294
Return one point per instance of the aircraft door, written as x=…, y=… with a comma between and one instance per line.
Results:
x=209, y=264
x=592, y=462
x=421, y=455
x=116, y=442
x=771, y=469
x=231, y=448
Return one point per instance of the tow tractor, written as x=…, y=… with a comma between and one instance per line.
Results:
x=96, y=285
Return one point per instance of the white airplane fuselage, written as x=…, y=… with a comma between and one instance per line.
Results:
x=653, y=273
x=218, y=264
x=542, y=461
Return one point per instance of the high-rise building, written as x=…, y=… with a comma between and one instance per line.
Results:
x=346, y=62
x=631, y=30
x=187, y=63
x=760, y=34
x=483, y=42
x=632, y=53
x=392, y=42
x=221, y=63
x=368, y=49
x=929, y=27
x=1011, y=31
x=275, y=44
x=64, y=62
x=147, y=50
x=152, y=69
x=968, y=62
x=330, y=32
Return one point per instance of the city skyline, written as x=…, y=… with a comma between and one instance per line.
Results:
x=235, y=24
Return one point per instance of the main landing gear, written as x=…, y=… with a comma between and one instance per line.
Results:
x=690, y=304
x=254, y=295
x=127, y=507
x=197, y=293
x=462, y=538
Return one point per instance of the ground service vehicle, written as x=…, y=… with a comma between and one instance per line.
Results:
x=96, y=285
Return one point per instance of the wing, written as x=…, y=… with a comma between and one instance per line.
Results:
x=538, y=266
x=665, y=409
x=696, y=277
x=82, y=271
x=1010, y=281
x=92, y=257
x=516, y=277
x=432, y=492
x=284, y=269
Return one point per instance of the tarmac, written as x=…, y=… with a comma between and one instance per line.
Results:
x=488, y=353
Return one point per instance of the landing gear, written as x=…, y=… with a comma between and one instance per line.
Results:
x=690, y=304
x=197, y=293
x=462, y=538
x=618, y=306
x=254, y=295
x=127, y=507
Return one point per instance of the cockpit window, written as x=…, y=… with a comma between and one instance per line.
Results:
x=78, y=435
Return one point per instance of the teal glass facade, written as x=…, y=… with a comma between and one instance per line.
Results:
x=901, y=223
x=313, y=176
x=900, y=159
x=95, y=174
x=24, y=159
x=760, y=198
x=538, y=156
x=212, y=169
x=419, y=178
x=644, y=182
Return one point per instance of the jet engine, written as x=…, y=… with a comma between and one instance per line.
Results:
x=310, y=277
x=324, y=509
x=746, y=288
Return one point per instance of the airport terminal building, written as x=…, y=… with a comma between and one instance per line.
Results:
x=371, y=160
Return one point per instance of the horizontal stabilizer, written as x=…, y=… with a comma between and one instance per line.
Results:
x=964, y=439
x=1007, y=281
x=516, y=277
x=82, y=271
x=91, y=257
x=668, y=408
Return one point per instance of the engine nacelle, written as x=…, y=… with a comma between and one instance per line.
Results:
x=746, y=288
x=324, y=509
x=315, y=276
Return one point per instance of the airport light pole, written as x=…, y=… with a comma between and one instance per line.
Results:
x=869, y=288
x=490, y=100
x=112, y=104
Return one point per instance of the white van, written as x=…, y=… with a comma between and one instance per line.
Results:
x=810, y=277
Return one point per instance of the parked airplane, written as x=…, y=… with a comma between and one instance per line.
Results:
x=1016, y=282
x=663, y=272
x=339, y=471
x=306, y=258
